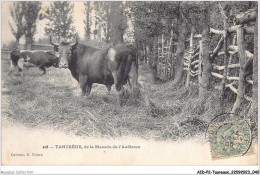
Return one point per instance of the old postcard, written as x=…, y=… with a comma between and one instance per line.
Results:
x=129, y=83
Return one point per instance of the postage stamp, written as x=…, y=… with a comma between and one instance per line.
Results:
x=230, y=139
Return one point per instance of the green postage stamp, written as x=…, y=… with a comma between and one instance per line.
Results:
x=230, y=139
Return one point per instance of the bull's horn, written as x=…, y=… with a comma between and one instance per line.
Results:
x=76, y=43
x=53, y=42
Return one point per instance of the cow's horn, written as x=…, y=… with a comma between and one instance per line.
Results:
x=76, y=43
x=53, y=42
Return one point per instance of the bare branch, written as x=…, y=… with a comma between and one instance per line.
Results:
x=235, y=48
x=248, y=98
x=231, y=87
x=215, y=31
x=216, y=75
x=233, y=29
x=218, y=47
x=245, y=17
x=222, y=67
x=195, y=62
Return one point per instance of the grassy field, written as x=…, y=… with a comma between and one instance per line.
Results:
x=51, y=101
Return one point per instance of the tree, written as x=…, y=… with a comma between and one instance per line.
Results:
x=118, y=22
x=151, y=20
x=206, y=62
x=182, y=31
x=102, y=19
x=254, y=107
x=224, y=8
x=87, y=22
x=31, y=10
x=17, y=14
x=60, y=20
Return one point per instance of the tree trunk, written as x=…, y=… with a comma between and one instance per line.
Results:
x=180, y=53
x=226, y=54
x=17, y=42
x=117, y=29
x=254, y=106
x=88, y=21
x=187, y=84
x=242, y=60
x=145, y=54
x=155, y=56
x=28, y=43
x=171, y=52
x=108, y=26
x=200, y=64
x=99, y=33
x=28, y=38
x=206, y=72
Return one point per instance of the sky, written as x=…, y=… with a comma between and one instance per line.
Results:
x=7, y=35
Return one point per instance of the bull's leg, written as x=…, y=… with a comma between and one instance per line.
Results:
x=120, y=94
x=129, y=83
x=108, y=89
x=89, y=86
x=119, y=88
x=20, y=67
x=83, y=82
x=43, y=69
x=11, y=69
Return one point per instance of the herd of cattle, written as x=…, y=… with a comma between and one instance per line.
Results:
x=115, y=65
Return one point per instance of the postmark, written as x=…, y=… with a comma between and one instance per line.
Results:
x=230, y=139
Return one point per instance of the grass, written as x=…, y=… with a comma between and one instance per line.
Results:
x=50, y=101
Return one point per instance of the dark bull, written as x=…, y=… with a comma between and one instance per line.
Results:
x=115, y=65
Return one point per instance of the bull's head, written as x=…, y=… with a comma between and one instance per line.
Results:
x=64, y=50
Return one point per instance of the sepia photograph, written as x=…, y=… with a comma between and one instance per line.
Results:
x=129, y=83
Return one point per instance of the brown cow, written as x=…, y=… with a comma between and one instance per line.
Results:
x=88, y=65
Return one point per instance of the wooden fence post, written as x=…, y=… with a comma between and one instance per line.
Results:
x=226, y=54
x=206, y=72
x=242, y=59
x=170, y=54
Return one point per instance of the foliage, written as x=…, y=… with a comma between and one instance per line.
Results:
x=44, y=41
x=31, y=10
x=17, y=13
x=102, y=19
x=60, y=19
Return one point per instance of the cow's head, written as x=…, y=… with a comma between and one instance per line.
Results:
x=64, y=50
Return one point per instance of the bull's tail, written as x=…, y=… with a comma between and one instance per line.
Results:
x=127, y=68
x=122, y=71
